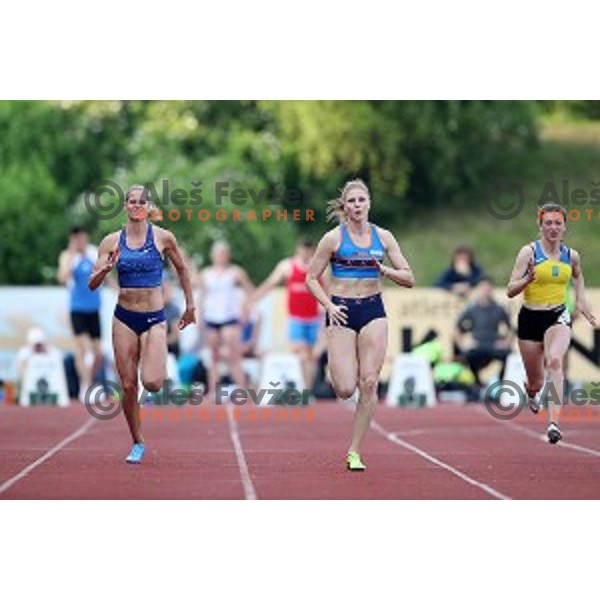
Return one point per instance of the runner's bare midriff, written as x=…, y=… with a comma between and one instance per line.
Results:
x=354, y=288
x=541, y=306
x=141, y=299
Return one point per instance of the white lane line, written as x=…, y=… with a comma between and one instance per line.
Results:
x=395, y=439
x=249, y=490
x=542, y=438
x=48, y=455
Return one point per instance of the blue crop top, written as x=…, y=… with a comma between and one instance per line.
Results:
x=139, y=267
x=352, y=261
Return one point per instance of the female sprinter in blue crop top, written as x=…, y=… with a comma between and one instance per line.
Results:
x=139, y=326
x=355, y=313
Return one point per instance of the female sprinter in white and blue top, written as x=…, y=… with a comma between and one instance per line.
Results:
x=356, y=320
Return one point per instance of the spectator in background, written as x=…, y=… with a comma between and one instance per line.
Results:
x=74, y=269
x=482, y=319
x=222, y=315
x=322, y=387
x=37, y=343
x=251, y=334
x=305, y=317
x=462, y=275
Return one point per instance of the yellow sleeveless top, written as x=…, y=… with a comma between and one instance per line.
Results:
x=553, y=277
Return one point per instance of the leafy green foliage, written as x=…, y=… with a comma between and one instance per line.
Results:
x=417, y=157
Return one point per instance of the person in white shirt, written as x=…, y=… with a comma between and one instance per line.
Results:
x=37, y=343
x=222, y=314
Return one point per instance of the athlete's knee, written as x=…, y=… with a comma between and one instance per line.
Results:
x=234, y=353
x=368, y=383
x=130, y=391
x=153, y=384
x=554, y=362
x=344, y=391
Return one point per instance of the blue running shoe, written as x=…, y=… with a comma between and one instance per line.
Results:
x=136, y=454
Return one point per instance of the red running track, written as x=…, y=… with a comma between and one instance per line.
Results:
x=449, y=452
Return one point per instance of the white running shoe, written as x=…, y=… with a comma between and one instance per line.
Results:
x=554, y=433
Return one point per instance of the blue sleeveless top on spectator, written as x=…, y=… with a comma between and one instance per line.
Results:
x=82, y=298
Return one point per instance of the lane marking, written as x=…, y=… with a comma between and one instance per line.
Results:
x=47, y=456
x=396, y=439
x=542, y=438
x=249, y=491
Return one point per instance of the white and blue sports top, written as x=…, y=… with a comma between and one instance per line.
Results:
x=356, y=262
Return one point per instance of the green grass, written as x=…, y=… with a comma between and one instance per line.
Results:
x=568, y=150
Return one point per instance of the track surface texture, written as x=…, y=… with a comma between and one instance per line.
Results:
x=447, y=452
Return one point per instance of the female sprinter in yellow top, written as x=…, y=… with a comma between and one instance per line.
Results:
x=139, y=325
x=356, y=320
x=542, y=271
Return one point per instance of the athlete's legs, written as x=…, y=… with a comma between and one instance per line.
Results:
x=127, y=355
x=556, y=343
x=153, y=355
x=532, y=354
x=372, y=345
x=343, y=360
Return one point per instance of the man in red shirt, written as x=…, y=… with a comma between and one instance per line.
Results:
x=304, y=313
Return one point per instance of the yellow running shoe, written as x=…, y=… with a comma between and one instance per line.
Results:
x=354, y=463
